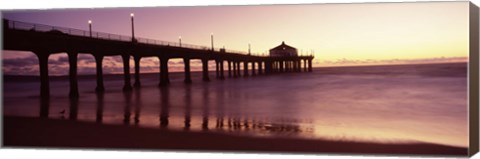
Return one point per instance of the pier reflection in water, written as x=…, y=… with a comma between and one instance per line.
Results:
x=188, y=107
x=100, y=105
x=73, y=108
x=198, y=106
x=164, y=106
x=205, y=107
x=138, y=105
x=127, y=108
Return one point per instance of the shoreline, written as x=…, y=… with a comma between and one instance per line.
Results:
x=55, y=133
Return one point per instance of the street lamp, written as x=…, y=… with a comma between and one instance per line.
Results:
x=133, y=33
x=180, y=40
x=211, y=39
x=90, y=27
x=248, y=48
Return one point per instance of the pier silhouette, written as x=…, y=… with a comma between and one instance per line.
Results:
x=44, y=40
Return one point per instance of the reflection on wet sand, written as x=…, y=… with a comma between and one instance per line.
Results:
x=100, y=105
x=164, y=106
x=127, y=108
x=138, y=105
x=44, y=107
x=188, y=107
x=233, y=121
x=205, y=107
x=220, y=96
x=73, y=109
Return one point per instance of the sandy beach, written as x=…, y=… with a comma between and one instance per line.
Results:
x=54, y=133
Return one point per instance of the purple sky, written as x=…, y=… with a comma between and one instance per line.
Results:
x=338, y=34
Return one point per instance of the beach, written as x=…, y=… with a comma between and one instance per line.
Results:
x=21, y=132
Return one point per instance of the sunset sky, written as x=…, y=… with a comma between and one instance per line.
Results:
x=338, y=34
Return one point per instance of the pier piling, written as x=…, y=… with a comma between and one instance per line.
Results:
x=72, y=60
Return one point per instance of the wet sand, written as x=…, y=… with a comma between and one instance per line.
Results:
x=55, y=133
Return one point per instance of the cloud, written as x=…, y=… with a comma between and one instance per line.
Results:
x=20, y=62
x=344, y=61
x=86, y=59
x=21, y=70
x=27, y=65
x=149, y=69
x=112, y=69
x=115, y=58
x=175, y=62
x=61, y=60
x=195, y=62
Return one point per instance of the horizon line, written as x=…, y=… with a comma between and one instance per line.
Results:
x=315, y=67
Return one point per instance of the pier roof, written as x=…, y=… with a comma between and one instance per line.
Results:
x=283, y=46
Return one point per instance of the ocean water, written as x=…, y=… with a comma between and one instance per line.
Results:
x=386, y=104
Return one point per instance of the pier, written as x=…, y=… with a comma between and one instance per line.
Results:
x=45, y=40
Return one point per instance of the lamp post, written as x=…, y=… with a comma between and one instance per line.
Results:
x=180, y=40
x=248, y=48
x=133, y=32
x=90, y=27
x=211, y=39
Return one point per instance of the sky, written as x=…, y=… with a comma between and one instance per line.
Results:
x=337, y=34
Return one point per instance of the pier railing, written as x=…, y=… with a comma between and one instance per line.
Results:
x=107, y=36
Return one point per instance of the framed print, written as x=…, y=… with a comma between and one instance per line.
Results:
x=356, y=78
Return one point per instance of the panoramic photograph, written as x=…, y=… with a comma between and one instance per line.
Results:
x=358, y=78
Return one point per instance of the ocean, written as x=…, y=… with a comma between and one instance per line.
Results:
x=385, y=104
